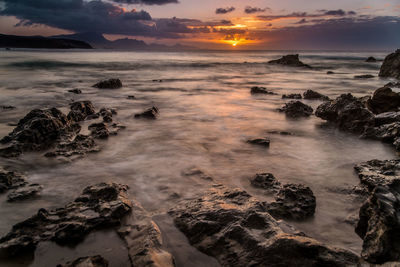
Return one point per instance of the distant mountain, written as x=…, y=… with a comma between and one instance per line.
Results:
x=40, y=42
x=97, y=40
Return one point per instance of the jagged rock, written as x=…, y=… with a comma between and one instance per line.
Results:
x=10, y=180
x=75, y=91
x=364, y=76
x=292, y=96
x=235, y=228
x=107, y=114
x=109, y=84
x=266, y=181
x=392, y=84
x=296, y=109
x=370, y=59
x=24, y=193
x=99, y=206
x=38, y=130
x=92, y=261
x=313, y=95
x=375, y=172
x=261, y=90
x=290, y=60
x=80, y=145
x=391, y=66
x=259, y=141
x=293, y=201
x=387, y=118
x=150, y=113
x=81, y=110
x=384, y=100
x=347, y=112
x=99, y=130
x=388, y=133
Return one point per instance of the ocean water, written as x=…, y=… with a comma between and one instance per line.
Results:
x=206, y=115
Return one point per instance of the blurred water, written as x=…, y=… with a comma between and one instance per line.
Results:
x=206, y=115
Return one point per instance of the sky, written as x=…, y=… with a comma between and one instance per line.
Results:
x=215, y=24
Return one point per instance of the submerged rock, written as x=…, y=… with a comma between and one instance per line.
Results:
x=99, y=206
x=391, y=66
x=290, y=60
x=151, y=113
x=296, y=109
x=292, y=96
x=384, y=100
x=109, y=84
x=7, y=107
x=261, y=90
x=388, y=133
x=10, y=180
x=194, y=171
x=131, y=97
x=259, y=141
x=364, y=76
x=92, y=261
x=80, y=145
x=330, y=72
x=99, y=130
x=24, y=193
x=81, y=110
x=75, y=91
x=313, y=95
x=236, y=229
x=371, y=59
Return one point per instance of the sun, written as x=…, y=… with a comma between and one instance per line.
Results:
x=234, y=44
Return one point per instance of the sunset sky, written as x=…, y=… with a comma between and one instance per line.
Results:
x=219, y=24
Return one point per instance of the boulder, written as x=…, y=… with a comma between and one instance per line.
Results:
x=151, y=113
x=92, y=261
x=237, y=230
x=259, y=141
x=266, y=181
x=371, y=59
x=7, y=107
x=109, y=84
x=391, y=66
x=99, y=130
x=388, y=133
x=387, y=118
x=10, y=180
x=131, y=97
x=290, y=60
x=330, y=72
x=375, y=172
x=384, y=100
x=292, y=96
x=99, y=206
x=81, y=110
x=24, y=193
x=260, y=90
x=80, y=145
x=296, y=109
x=313, y=95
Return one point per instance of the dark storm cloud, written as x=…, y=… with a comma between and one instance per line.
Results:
x=252, y=10
x=147, y=2
x=222, y=10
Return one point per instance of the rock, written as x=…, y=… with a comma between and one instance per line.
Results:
x=330, y=72
x=99, y=130
x=347, y=112
x=7, y=107
x=75, y=91
x=293, y=201
x=391, y=66
x=194, y=171
x=10, y=180
x=107, y=114
x=131, y=97
x=81, y=110
x=312, y=95
x=379, y=224
x=375, y=172
x=387, y=118
x=235, y=228
x=392, y=84
x=296, y=109
x=384, y=100
x=280, y=132
x=38, y=130
x=260, y=90
x=388, y=133
x=99, y=206
x=109, y=84
x=80, y=145
x=24, y=193
x=92, y=261
x=292, y=96
x=266, y=181
x=364, y=76
x=259, y=141
x=290, y=60
x=151, y=113
x=371, y=59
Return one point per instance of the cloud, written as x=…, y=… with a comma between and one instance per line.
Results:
x=222, y=10
x=252, y=10
x=302, y=21
x=147, y=2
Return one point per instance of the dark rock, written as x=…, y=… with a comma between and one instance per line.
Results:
x=280, y=132
x=292, y=96
x=388, y=133
x=75, y=91
x=391, y=66
x=290, y=60
x=261, y=90
x=387, y=118
x=99, y=130
x=293, y=201
x=10, y=180
x=157, y=81
x=100, y=206
x=384, y=100
x=259, y=141
x=364, y=76
x=330, y=72
x=266, y=181
x=296, y=109
x=194, y=171
x=235, y=228
x=371, y=59
x=80, y=145
x=81, y=110
x=109, y=84
x=392, y=84
x=24, y=193
x=93, y=261
x=7, y=107
x=131, y=97
x=347, y=113
x=150, y=113
x=312, y=95
x=107, y=114
x=375, y=172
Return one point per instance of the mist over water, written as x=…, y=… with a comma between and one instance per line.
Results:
x=206, y=115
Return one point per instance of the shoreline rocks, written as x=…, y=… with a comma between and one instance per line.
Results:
x=391, y=66
x=292, y=96
x=296, y=109
x=259, y=141
x=109, y=84
x=260, y=90
x=92, y=261
x=313, y=95
x=384, y=100
x=364, y=76
x=371, y=59
x=10, y=180
x=290, y=60
x=151, y=113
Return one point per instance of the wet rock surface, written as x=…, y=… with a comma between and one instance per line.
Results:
x=290, y=60
x=292, y=96
x=151, y=113
x=259, y=141
x=376, y=172
x=75, y=91
x=91, y=261
x=296, y=109
x=7, y=107
x=364, y=76
x=313, y=95
x=266, y=181
x=237, y=230
x=80, y=145
x=384, y=100
x=81, y=110
x=109, y=84
x=99, y=206
x=24, y=193
x=10, y=180
x=391, y=66
x=371, y=59
x=261, y=90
